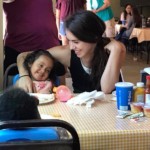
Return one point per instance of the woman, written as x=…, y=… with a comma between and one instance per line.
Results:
x=134, y=21
x=126, y=14
x=92, y=64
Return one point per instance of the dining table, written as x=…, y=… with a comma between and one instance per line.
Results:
x=99, y=128
x=142, y=34
x=143, y=38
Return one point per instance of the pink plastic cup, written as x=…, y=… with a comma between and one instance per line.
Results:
x=63, y=93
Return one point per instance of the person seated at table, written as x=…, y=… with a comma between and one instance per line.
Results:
x=93, y=62
x=40, y=65
x=124, y=20
x=134, y=21
x=16, y=104
x=126, y=14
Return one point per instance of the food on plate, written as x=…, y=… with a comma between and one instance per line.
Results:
x=44, y=98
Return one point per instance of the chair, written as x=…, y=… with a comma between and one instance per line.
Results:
x=7, y=77
x=54, y=143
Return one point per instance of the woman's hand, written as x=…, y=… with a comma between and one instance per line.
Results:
x=26, y=84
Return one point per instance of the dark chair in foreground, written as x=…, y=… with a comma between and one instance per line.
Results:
x=15, y=143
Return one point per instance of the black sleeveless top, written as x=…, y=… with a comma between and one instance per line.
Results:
x=81, y=80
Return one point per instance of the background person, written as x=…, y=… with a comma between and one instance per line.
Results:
x=92, y=63
x=134, y=21
x=65, y=8
x=102, y=8
x=126, y=14
x=30, y=26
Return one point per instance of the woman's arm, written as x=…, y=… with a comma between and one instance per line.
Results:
x=61, y=53
x=58, y=22
x=122, y=16
x=114, y=64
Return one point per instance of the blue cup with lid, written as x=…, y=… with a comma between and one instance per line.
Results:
x=124, y=92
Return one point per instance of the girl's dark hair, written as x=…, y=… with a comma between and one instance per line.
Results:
x=30, y=58
x=136, y=17
x=125, y=12
x=88, y=27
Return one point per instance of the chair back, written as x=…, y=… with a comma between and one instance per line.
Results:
x=10, y=80
x=7, y=77
x=54, y=143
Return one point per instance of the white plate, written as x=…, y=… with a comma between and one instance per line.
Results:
x=43, y=98
x=44, y=116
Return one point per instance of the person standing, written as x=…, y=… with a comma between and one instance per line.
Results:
x=65, y=8
x=103, y=10
x=30, y=26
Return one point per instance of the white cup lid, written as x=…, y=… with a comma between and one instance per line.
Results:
x=140, y=84
x=124, y=84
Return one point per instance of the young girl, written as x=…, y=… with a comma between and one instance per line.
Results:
x=40, y=65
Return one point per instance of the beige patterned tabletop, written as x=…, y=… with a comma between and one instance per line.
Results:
x=99, y=129
x=142, y=34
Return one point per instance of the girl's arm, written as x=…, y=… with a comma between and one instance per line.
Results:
x=61, y=53
x=114, y=64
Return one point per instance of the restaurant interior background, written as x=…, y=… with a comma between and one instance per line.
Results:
x=115, y=7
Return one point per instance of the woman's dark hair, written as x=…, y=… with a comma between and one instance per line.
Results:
x=136, y=17
x=88, y=27
x=30, y=58
x=125, y=12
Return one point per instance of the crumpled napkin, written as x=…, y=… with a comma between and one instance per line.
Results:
x=87, y=98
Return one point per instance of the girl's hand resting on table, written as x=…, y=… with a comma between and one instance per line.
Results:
x=25, y=83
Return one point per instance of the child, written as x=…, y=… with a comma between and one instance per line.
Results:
x=16, y=104
x=40, y=65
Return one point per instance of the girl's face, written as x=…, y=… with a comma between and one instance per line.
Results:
x=82, y=49
x=128, y=9
x=41, y=68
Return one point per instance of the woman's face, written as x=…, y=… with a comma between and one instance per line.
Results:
x=128, y=9
x=82, y=49
x=41, y=68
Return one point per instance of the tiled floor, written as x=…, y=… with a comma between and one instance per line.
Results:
x=131, y=69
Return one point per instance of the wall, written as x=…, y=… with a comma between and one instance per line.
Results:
x=1, y=47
